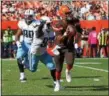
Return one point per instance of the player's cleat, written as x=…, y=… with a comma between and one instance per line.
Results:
x=23, y=79
x=68, y=76
x=57, y=86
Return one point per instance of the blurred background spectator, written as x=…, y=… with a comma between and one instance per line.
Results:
x=7, y=42
x=84, y=41
x=103, y=38
x=92, y=40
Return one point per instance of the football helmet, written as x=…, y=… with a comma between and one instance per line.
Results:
x=29, y=16
x=65, y=9
x=46, y=19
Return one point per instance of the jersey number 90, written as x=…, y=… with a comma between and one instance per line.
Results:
x=28, y=33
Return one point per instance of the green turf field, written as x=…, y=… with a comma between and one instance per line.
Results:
x=89, y=77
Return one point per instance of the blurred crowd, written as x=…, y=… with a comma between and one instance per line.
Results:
x=95, y=44
x=92, y=44
x=84, y=10
x=8, y=44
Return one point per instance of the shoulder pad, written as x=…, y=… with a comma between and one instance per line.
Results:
x=36, y=23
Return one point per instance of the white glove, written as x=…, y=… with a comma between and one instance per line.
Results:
x=55, y=50
x=18, y=43
x=76, y=45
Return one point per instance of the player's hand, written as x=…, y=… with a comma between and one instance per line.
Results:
x=18, y=43
x=53, y=51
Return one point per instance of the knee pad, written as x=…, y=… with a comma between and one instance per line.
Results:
x=51, y=66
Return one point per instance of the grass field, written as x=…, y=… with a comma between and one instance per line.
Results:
x=89, y=77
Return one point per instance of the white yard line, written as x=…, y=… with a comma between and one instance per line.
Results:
x=91, y=68
x=91, y=58
x=9, y=59
x=86, y=63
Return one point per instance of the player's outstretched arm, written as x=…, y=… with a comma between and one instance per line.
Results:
x=40, y=30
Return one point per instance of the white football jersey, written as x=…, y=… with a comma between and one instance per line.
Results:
x=28, y=30
x=39, y=44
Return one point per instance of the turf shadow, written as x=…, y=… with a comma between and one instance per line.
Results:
x=87, y=88
x=42, y=78
x=84, y=88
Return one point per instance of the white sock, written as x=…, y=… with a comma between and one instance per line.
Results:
x=58, y=82
x=67, y=70
x=22, y=75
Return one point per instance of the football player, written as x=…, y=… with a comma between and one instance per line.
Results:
x=65, y=34
x=31, y=28
x=38, y=47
